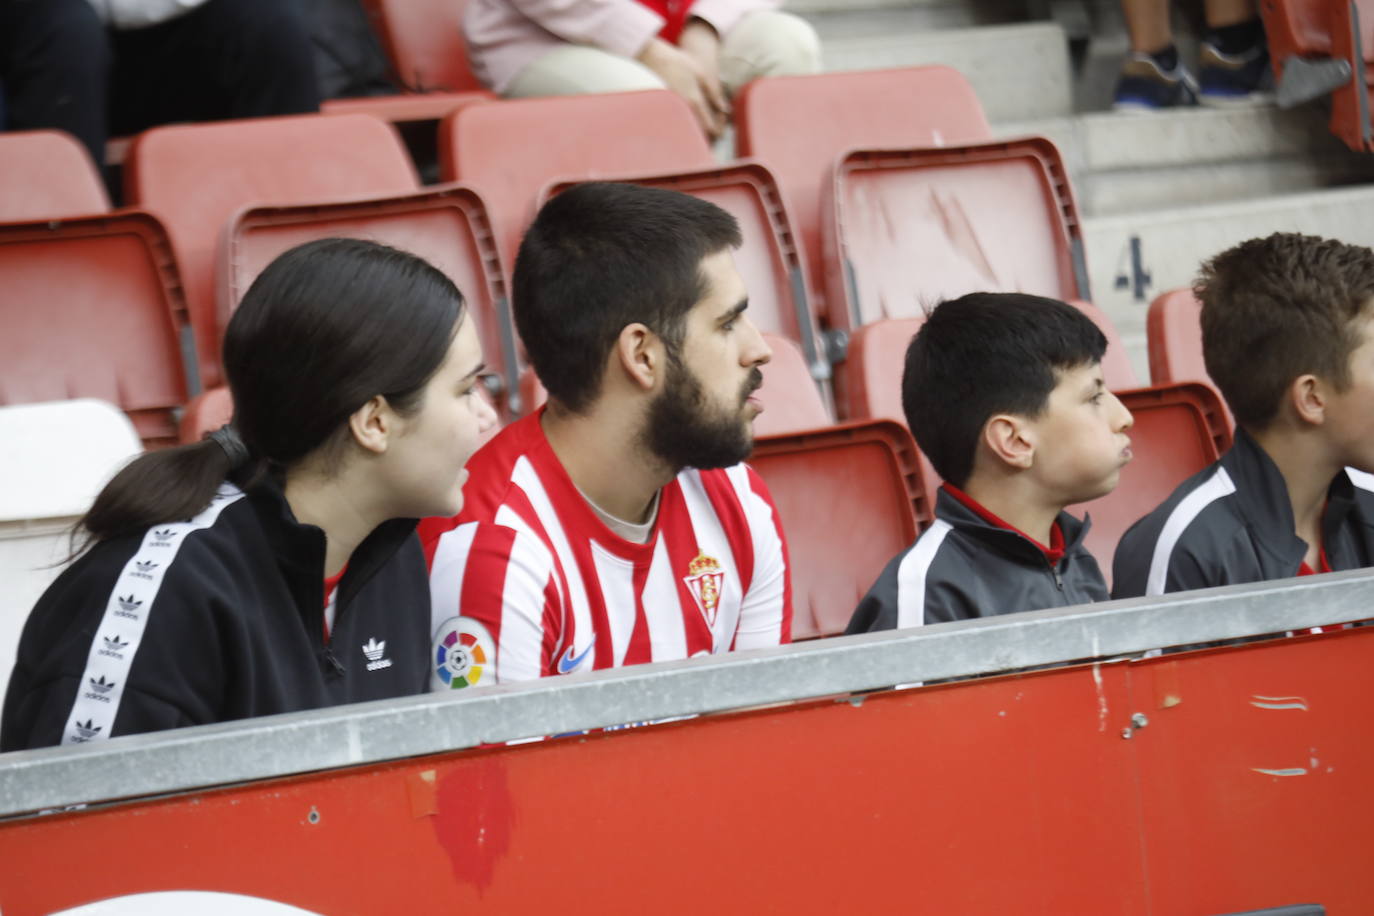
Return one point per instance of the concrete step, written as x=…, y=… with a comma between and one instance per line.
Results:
x=1171, y=244
x=1019, y=71
x=1122, y=163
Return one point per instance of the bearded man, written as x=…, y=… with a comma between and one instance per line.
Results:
x=617, y=524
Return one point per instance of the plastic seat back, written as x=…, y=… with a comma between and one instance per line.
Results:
x=48, y=174
x=850, y=499
x=791, y=401
x=424, y=39
x=1173, y=328
x=54, y=458
x=90, y=308
x=770, y=260
x=512, y=151
x=1178, y=431
x=194, y=176
x=908, y=228
x=447, y=226
x=800, y=125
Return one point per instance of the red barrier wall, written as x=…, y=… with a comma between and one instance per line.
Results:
x=1250, y=786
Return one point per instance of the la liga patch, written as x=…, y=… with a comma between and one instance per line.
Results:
x=463, y=651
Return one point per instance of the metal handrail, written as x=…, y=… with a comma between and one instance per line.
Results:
x=234, y=752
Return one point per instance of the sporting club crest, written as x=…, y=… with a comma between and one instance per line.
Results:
x=704, y=580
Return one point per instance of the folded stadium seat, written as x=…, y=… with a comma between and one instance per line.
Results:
x=207, y=412
x=54, y=458
x=406, y=106
x=770, y=261
x=1174, y=338
x=194, y=176
x=907, y=228
x=1325, y=47
x=511, y=151
x=800, y=125
x=448, y=226
x=91, y=307
x=48, y=174
x=791, y=401
x=1178, y=430
x=424, y=40
x=850, y=498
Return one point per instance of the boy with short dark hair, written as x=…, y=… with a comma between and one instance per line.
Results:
x=1288, y=337
x=1004, y=393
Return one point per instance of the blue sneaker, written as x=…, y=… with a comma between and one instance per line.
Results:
x=1143, y=86
x=1228, y=80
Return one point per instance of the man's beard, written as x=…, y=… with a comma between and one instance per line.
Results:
x=685, y=431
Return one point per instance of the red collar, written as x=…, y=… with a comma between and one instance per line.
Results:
x=1053, y=553
x=1322, y=564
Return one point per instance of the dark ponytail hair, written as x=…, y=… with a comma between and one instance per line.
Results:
x=323, y=329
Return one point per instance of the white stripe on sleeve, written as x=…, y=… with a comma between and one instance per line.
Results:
x=121, y=630
x=762, y=612
x=911, y=575
x=1213, y=489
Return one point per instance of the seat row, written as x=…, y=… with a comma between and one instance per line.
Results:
x=868, y=207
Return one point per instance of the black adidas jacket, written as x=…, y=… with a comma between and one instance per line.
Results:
x=215, y=618
x=962, y=567
x=1233, y=523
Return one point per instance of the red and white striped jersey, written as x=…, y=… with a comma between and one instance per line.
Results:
x=528, y=581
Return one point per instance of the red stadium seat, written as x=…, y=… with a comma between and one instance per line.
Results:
x=1178, y=431
x=1174, y=337
x=800, y=125
x=447, y=226
x=907, y=228
x=424, y=39
x=207, y=412
x=791, y=401
x=512, y=151
x=90, y=308
x=770, y=260
x=408, y=106
x=850, y=498
x=195, y=176
x=1309, y=40
x=48, y=174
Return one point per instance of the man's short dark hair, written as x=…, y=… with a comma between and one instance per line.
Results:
x=1279, y=307
x=984, y=354
x=601, y=256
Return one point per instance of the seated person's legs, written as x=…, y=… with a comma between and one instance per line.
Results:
x=225, y=59
x=578, y=69
x=55, y=63
x=768, y=43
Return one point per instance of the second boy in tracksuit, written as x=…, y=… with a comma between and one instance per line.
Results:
x=1288, y=336
x=1004, y=393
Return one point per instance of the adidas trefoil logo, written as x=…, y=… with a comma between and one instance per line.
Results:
x=144, y=570
x=100, y=689
x=128, y=607
x=374, y=651
x=85, y=731
x=114, y=647
x=162, y=537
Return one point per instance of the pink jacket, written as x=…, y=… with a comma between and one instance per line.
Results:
x=505, y=36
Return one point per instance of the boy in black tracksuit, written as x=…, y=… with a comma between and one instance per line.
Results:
x=1004, y=393
x=1288, y=336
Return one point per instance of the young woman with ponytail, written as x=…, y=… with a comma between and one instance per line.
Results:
x=274, y=565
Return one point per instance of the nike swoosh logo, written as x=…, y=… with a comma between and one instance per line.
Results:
x=568, y=663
